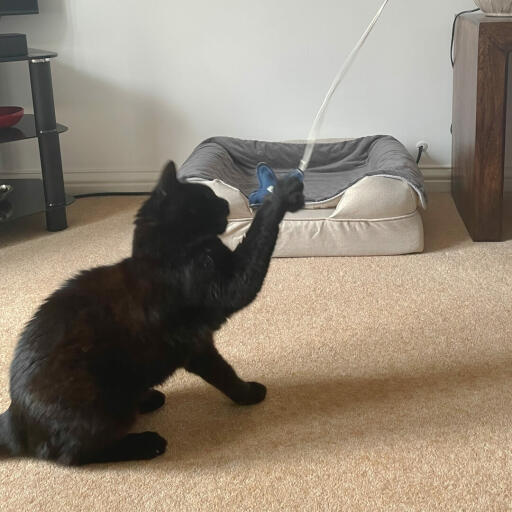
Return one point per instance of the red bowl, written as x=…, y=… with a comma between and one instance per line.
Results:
x=9, y=116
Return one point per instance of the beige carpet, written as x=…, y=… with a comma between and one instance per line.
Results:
x=390, y=381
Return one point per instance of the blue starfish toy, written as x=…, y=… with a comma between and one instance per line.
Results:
x=268, y=179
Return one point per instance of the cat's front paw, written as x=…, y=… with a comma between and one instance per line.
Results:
x=290, y=193
x=146, y=445
x=151, y=400
x=254, y=393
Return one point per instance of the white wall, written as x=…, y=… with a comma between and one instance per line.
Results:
x=141, y=82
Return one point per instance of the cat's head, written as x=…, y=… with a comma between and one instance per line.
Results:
x=186, y=211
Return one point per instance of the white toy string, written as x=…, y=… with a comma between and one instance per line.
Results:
x=313, y=133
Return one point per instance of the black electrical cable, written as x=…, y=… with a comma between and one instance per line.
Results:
x=106, y=194
x=453, y=30
x=420, y=152
x=453, y=40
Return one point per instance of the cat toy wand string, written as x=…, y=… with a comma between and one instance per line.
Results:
x=266, y=175
x=317, y=123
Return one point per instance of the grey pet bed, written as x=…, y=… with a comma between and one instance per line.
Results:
x=361, y=194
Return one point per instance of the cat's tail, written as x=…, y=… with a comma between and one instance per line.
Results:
x=5, y=430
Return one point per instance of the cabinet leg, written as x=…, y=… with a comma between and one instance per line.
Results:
x=49, y=145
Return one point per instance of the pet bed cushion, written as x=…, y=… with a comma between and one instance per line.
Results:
x=362, y=194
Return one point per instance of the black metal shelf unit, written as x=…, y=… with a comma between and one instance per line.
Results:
x=43, y=125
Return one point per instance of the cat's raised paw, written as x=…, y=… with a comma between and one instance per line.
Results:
x=290, y=192
x=255, y=393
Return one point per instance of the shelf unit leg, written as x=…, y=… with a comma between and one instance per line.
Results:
x=49, y=144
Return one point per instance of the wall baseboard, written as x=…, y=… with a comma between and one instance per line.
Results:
x=90, y=181
x=437, y=179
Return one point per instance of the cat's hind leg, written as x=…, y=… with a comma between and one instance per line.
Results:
x=211, y=366
x=140, y=446
x=91, y=435
x=118, y=448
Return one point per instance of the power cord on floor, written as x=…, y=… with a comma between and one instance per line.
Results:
x=106, y=194
x=421, y=149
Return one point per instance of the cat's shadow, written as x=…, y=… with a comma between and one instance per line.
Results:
x=204, y=429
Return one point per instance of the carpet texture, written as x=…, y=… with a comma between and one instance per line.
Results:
x=389, y=381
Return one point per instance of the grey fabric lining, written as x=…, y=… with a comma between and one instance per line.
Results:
x=334, y=167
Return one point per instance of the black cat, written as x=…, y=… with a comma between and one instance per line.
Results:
x=86, y=363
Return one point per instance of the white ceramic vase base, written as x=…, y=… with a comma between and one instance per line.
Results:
x=495, y=8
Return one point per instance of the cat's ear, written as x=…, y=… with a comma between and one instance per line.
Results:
x=168, y=180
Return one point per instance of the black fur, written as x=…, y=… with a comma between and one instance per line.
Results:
x=86, y=363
